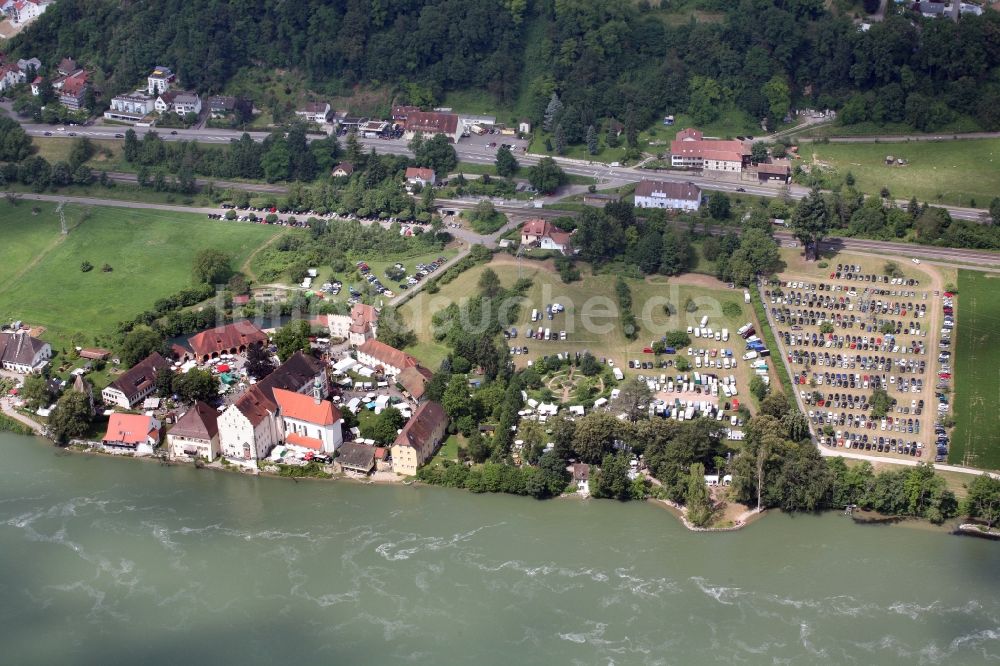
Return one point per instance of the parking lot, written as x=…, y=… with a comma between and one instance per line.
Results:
x=853, y=333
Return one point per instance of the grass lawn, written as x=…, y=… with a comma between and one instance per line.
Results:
x=150, y=253
x=56, y=149
x=950, y=172
x=977, y=372
x=648, y=298
x=449, y=450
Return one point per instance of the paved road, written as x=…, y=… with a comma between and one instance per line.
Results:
x=909, y=462
x=901, y=138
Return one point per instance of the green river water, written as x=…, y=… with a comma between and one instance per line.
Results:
x=109, y=561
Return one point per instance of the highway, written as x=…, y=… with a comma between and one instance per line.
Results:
x=606, y=175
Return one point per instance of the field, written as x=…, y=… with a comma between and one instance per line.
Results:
x=947, y=172
x=977, y=371
x=150, y=253
x=593, y=292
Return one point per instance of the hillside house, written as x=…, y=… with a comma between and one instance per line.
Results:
x=420, y=176
x=160, y=80
x=343, y=170
x=131, y=431
x=130, y=107
x=429, y=123
x=692, y=150
x=314, y=112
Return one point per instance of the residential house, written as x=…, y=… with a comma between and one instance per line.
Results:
x=21, y=12
x=164, y=102
x=73, y=89
x=10, y=76
x=130, y=107
x=134, y=385
x=309, y=422
x=581, y=475
x=160, y=81
x=419, y=438
x=432, y=122
x=21, y=353
x=343, y=170
x=94, y=353
x=220, y=106
x=357, y=457
x=130, y=431
x=248, y=428
x=26, y=64
x=414, y=380
x=187, y=102
x=524, y=126
x=357, y=327
x=314, y=112
x=420, y=176
x=232, y=338
x=66, y=67
x=378, y=355
x=692, y=150
x=667, y=194
x=299, y=374
x=547, y=236
x=196, y=433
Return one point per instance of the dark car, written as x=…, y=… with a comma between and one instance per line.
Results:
x=173, y=131
x=48, y=134
x=119, y=136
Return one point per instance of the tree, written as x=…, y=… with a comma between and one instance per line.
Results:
x=696, y=497
x=592, y=140
x=811, y=221
x=880, y=403
x=489, y=283
x=677, y=339
x=705, y=95
x=758, y=152
x=559, y=137
x=392, y=329
x=35, y=391
x=139, y=343
x=546, y=176
x=383, y=428
x=131, y=150
x=80, y=151
x=634, y=398
x=196, y=384
x=778, y=98
x=552, y=112
x=71, y=417
x=259, y=362
x=983, y=500
x=506, y=164
x=292, y=337
x=758, y=388
x=718, y=205
x=437, y=153
x=757, y=254
x=212, y=266
x=994, y=210
x=595, y=435
x=611, y=480
x=164, y=382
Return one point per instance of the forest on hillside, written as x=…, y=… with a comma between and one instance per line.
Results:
x=604, y=58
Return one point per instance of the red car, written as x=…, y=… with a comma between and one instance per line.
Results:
x=944, y=375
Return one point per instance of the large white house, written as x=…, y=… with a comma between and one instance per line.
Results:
x=130, y=107
x=134, y=385
x=357, y=327
x=692, y=150
x=24, y=11
x=314, y=112
x=248, y=429
x=309, y=422
x=666, y=194
x=21, y=353
x=160, y=80
x=545, y=235
x=377, y=355
x=196, y=434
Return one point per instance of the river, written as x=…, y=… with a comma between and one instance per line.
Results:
x=110, y=561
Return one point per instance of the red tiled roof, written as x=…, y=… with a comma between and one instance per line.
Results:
x=778, y=166
x=389, y=356
x=432, y=121
x=419, y=172
x=74, y=84
x=131, y=429
x=303, y=441
x=690, y=143
x=346, y=167
x=545, y=229
x=304, y=408
x=255, y=406
x=414, y=380
x=363, y=318
x=223, y=338
x=140, y=376
x=95, y=353
x=671, y=190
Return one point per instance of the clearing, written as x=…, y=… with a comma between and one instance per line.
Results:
x=150, y=253
x=937, y=172
x=977, y=372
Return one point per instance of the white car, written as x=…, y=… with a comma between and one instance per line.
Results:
x=915, y=260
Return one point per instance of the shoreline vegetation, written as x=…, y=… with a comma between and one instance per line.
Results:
x=675, y=509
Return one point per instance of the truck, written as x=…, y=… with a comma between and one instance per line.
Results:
x=619, y=375
x=477, y=130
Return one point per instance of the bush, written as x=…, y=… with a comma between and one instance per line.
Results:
x=731, y=309
x=86, y=266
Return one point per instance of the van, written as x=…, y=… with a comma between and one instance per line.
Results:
x=548, y=334
x=746, y=297
x=725, y=335
x=704, y=321
x=749, y=355
x=534, y=315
